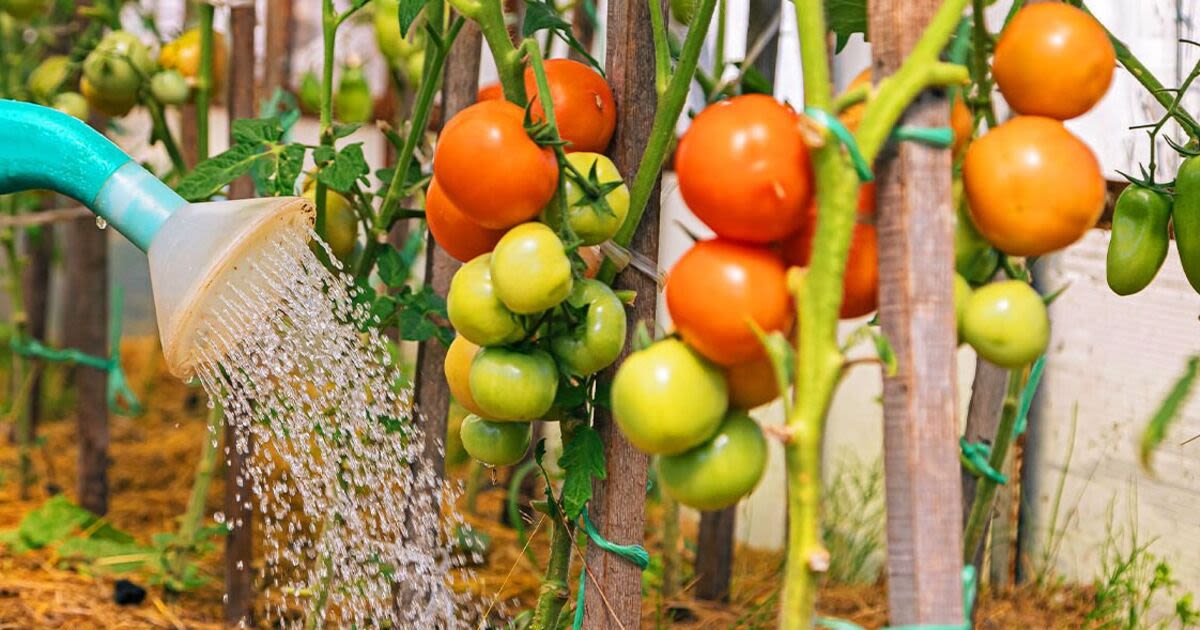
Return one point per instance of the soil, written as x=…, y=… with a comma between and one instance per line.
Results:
x=153, y=460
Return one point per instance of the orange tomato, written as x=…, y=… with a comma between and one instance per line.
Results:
x=717, y=288
x=454, y=231
x=490, y=92
x=583, y=104
x=751, y=384
x=961, y=120
x=459, y=356
x=852, y=116
x=860, y=287
x=744, y=169
x=1053, y=60
x=491, y=169
x=1032, y=186
x=592, y=257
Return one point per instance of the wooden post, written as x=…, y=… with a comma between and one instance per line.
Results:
x=983, y=416
x=614, y=596
x=715, y=565
x=916, y=262
x=239, y=510
x=459, y=88
x=87, y=312
x=278, y=60
x=39, y=249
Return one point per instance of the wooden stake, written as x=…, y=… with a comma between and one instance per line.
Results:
x=916, y=262
x=714, y=562
x=279, y=46
x=239, y=551
x=613, y=598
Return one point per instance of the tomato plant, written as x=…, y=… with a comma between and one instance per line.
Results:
x=183, y=54
x=744, y=169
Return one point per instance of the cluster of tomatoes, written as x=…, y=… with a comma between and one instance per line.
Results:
x=1031, y=186
x=529, y=320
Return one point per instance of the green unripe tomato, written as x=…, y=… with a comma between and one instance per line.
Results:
x=116, y=67
x=719, y=472
x=593, y=225
x=24, y=9
x=72, y=104
x=48, y=76
x=456, y=455
x=341, y=222
x=962, y=294
x=352, y=102
x=1007, y=323
x=475, y=311
x=683, y=11
x=1139, y=241
x=530, y=269
x=597, y=340
x=310, y=93
x=169, y=87
x=513, y=385
x=974, y=257
x=668, y=399
x=495, y=443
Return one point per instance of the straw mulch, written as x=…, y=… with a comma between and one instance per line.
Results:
x=153, y=460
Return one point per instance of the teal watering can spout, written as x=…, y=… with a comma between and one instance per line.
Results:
x=43, y=148
x=197, y=251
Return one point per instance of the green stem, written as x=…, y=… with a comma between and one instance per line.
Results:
x=554, y=592
x=666, y=114
x=431, y=76
x=662, y=59
x=719, y=45
x=189, y=523
x=22, y=373
x=985, y=490
x=672, y=563
x=329, y=25
x=982, y=39
x=204, y=82
x=163, y=133
x=509, y=68
x=818, y=291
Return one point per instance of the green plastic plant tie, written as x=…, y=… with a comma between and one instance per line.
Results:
x=634, y=554
x=1035, y=378
x=117, y=388
x=843, y=135
x=937, y=137
x=970, y=586
x=975, y=458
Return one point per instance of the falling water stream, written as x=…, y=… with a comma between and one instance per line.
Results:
x=352, y=527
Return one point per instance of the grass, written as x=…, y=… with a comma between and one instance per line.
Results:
x=853, y=525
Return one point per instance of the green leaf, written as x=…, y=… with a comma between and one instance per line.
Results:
x=341, y=130
x=409, y=10
x=416, y=314
x=540, y=15
x=755, y=82
x=886, y=354
x=1156, y=430
x=393, y=269
x=257, y=131
x=345, y=167
x=215, y=173
x=277, y=176
x=106, y=555
x=845, y=18
x=582, y=460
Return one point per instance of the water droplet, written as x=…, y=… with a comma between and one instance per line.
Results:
x=101, y=222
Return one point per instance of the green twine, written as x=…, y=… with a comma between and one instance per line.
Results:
x=1035, y=378
x=634, y=554
x=938, y=137
x=846, y=139
x=117, y=390
x=975, y=458
x=970, y=586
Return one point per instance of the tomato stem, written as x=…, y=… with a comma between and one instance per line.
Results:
x=509, y=66
x=985, y=491
x=662, y=59
x=982, y=38
x=204, y=82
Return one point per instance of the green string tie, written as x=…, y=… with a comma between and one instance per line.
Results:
x=1035, y=378
x=634, y=554
x=121, y=399
x=845, y=138
x=969, y=591
x=937, y=137
x=975, y=458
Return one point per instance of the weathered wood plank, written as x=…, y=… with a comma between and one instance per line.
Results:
x=714, y=563
x=278, y=59
x=916, y=261
x=239, y=594
x=618, y=507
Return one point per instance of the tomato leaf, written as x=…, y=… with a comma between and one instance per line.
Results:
x=582, y=460
x=409, y=10
x=420, y=314
x=257, y=131
x=845, y=18
x=887, y=355
x=341, y=130
x=541, y=14
x=1156, y=429
x=343, y=169
x=213, y=174
x=277, y=176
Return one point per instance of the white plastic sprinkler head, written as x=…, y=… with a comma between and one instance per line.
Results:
x=196, y=250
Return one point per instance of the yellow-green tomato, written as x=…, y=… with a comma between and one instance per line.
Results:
x=513, y=385
x=530, y=269
x=352, y=102
x=72, y=104
x=24, y=9
x=46, y=78
x=310, y=93
x=962, y=293
x=495, y=443
x=595, y=341
x=169, y=87
x=719, y=472
x=475, y=311
x=592, y=221
x=1007, y=324
x=341, y=222
x=456, y=455
x=668, y=399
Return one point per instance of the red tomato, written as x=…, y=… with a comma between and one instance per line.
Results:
x=583, y=104
x=860, y=288
x=454, y=231
x=491, y=169
x=719, y=286
x=1053, y=60
x=744, y=169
